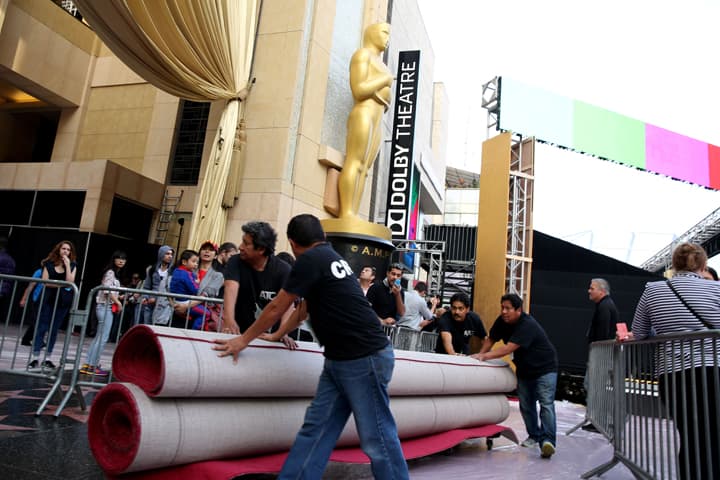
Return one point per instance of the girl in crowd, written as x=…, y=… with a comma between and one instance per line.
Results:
x=107, y=304
x=57, y=300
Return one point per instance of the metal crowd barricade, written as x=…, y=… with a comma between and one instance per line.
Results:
x=600, y=396
x=130, y=300
x=665, y=413
x=14, y=359
x=405, y=338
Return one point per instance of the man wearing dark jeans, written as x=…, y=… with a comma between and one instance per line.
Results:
x=358, y=364
x=536, y=366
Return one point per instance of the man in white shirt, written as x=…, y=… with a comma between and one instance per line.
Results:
x=416, y=308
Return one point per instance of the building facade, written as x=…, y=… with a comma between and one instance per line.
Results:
x=88, y=145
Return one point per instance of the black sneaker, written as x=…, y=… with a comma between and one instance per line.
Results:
x=48, y=364
x=33, y=364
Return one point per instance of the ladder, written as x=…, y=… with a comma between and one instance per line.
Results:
x=167, y=212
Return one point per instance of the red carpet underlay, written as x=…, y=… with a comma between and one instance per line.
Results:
x=228, y=469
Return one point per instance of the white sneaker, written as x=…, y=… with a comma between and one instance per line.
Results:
x=547, y=450
x=528, y=443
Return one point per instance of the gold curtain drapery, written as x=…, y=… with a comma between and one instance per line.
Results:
x=198, y=50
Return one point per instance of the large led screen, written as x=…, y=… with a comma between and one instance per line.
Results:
x=585, y=128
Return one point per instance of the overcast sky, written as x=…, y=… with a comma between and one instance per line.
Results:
x=650, y=60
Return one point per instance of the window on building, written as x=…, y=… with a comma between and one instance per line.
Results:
x=189, y=142
x=42, y=208
x=58, y=209
x=130, y=220
x=27, y=135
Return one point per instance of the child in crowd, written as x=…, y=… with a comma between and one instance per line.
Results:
x=185, y=281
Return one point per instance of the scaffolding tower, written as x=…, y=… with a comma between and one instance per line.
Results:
x=431, y=252
x=520, y=202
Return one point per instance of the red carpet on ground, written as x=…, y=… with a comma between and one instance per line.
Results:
x=228, y=469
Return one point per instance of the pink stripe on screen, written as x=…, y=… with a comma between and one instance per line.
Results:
x=676, y=155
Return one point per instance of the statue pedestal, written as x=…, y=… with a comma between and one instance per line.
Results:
x=361, y=243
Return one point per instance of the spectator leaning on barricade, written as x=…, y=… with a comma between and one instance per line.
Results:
x=107, y=303
x=416, y=307
x=457, y=326
x=688, y=376
x=59, y=265
x=366, y=278
x=536, y=366
x=252, y=278
x=157, y=279
x=387, y=297
x=356, y=373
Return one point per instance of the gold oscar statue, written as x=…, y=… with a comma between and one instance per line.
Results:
x=370, y=81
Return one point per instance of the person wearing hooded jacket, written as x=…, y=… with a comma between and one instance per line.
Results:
x=157, y=279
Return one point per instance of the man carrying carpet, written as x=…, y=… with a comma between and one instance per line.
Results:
x=359, y=359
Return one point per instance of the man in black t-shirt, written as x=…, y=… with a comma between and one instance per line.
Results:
x=252, y=277
x=457, y=325
x=536, y=366
x=359, y=359
x=387, y=297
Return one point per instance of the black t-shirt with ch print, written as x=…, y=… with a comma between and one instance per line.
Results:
x=340, y=315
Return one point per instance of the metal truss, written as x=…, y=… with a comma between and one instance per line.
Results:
x=519, y=240
x=431, y=250
x=518, y=254
x=491, y=102
x=704, y=231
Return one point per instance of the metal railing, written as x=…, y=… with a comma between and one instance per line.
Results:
x=405, y=338
x=41, y=320
x=130, y=300
x=658, y=403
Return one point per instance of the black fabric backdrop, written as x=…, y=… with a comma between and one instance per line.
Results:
x=561, y=276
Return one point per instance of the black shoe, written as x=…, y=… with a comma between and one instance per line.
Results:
x=26, y=343
x=49, y=364
x=33, y=364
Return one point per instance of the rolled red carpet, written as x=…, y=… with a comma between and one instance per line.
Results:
x=129, y=431
x=170, y=362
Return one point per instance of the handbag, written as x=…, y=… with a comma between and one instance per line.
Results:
x=687, y=305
